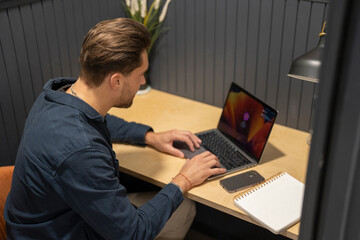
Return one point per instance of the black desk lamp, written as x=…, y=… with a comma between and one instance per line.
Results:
x=307, y=66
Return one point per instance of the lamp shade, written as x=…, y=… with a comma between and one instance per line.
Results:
x=307, y=66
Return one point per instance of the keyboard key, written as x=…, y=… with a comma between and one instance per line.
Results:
x=228, y=156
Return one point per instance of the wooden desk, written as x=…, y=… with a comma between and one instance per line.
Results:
x=286, y=149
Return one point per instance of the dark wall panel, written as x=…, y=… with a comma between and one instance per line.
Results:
x=9, y=134
x=62, y=37
x=32, y=47
x=180, y=47
x=12, y=77
x=251, y=42
x=5, y=148
x=263, y=49
x=230, y=45
x=275, y=51
x=21, y=57
x=252, y=45
x=300, y=40
x=288, y=39
x=210, y=20
x=219, y=51
x=199, y=43
x=241, y=41
x=190, y=49
x=40, y=40
x=72, y=38
x=172, y=50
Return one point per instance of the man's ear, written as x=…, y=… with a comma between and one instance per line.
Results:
x=116, y=80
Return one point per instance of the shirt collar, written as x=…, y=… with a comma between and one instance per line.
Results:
x=51, y=93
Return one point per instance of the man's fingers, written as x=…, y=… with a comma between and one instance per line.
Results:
x=195, y=139
x=215, y=163
x=214, y=171
x=176, y=152
x=208, y=156
x=207, y=159
x=190, y=139
x=205, y=154
x=184, y=138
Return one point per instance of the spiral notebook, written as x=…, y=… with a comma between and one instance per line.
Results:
x=276, y=203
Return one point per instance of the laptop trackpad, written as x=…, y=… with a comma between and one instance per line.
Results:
x=182, y=146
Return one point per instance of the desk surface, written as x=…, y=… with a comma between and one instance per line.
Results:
x=286, y=149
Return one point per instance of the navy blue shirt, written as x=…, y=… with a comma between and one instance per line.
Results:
x=65, y=183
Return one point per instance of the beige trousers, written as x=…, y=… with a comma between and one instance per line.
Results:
x=178, y=224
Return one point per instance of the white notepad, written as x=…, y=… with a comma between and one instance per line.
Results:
x=275, y=204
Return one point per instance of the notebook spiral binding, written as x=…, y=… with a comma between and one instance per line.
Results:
x=258, y=186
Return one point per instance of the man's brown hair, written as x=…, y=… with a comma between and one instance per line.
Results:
x=112, y=46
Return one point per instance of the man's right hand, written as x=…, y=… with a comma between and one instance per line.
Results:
x=197, y=170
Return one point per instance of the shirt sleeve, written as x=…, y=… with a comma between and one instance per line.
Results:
x=123, y=131
x=90, y=187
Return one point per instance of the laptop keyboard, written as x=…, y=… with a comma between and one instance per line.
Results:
x=228, y=156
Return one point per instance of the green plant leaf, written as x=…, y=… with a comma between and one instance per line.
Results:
x=149, y=14
x=150, y=21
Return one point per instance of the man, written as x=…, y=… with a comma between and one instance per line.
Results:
x=65, y=183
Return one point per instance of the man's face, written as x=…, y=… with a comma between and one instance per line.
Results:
x=132, y=82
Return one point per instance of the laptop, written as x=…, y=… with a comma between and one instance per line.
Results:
x=242, y=132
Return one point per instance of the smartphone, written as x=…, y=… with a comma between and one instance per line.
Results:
x=241, y=181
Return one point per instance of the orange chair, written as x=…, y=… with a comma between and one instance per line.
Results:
x=5, y=185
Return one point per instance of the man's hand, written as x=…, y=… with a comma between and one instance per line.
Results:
x=196, y=170
x=163, y=141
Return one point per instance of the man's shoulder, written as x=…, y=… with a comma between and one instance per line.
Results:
x=56, y=132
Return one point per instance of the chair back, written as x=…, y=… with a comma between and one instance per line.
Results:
x=5, y=185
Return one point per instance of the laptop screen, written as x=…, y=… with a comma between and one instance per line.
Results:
x=247, y=121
